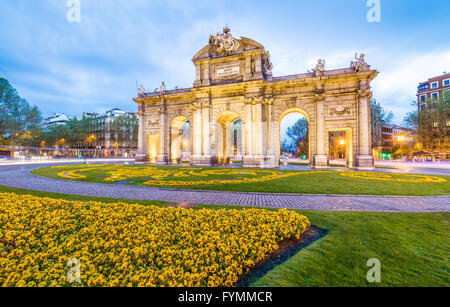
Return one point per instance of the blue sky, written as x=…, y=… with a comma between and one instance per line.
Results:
x=93, y=65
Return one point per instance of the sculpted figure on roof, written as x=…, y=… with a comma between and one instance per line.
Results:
x=225, y=43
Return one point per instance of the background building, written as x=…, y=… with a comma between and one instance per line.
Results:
x=395, y=142
x=55, y=119
x=112, y=131
x=434, y=88
x=433, y=117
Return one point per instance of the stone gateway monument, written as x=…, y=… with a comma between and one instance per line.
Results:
x=234, y=82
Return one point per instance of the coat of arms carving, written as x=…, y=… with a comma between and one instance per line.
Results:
x=225, y=43
x=340, y=110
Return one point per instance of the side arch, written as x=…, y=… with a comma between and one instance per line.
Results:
x=282, y=115
x=177, y=144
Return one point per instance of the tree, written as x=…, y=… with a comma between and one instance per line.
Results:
x=411, y=119
x=124, y=130
x=20, y=123
x=73, y=133
x=298, y=133
x=433, y=124
x=379, y=118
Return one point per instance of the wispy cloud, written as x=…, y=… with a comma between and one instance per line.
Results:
x=93, y=65
x=396, y=86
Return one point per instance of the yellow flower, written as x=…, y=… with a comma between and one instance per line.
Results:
x=134, y=245
x=163, y=177
x=394, y=177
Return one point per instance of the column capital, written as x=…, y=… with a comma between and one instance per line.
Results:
x=200, y=104
x=206, y=103
x=253, y=100
x=363, y=94
x=162, y=111
x=196, y=106
x=141, y=110
x=319, y=97
x=268, y=100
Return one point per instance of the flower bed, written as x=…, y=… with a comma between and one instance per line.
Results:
x=133, y=245
x=186, y=176
x=154, y=176
x=394, y=177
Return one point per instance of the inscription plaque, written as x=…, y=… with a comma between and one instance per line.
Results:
x=228, y=70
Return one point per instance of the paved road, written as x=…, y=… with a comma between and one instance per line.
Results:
x=18, y=176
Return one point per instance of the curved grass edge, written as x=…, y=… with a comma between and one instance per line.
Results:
x=287, y=249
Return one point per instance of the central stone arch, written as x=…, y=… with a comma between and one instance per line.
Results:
x=224, y=138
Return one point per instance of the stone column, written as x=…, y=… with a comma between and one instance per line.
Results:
x=321, y=157
x=227, y=142
x=198, y=75
x=175, y=145
x=271, y=138
x=258, y=67
x=197, y=133
x=255, y=134
x=163, y=157
x=258, y=133
x=248, y=130
x=248, y=68
x=219, y=143
x=142, y=143
x=364, y=159
x=207, y=74
x=206, y=136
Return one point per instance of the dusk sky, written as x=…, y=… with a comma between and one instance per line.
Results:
x=93, y=65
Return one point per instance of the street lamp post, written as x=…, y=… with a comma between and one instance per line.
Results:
x=401, y=140
x=342, y=143
x=91, y=139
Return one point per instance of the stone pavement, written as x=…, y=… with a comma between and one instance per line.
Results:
x=19, y=177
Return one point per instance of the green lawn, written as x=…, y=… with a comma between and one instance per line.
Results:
x=413, y=248
x=303, y=183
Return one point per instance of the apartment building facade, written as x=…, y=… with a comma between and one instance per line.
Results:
x=433, y=88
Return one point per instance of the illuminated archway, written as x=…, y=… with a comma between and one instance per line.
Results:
x=229, y=137
x=180, y=140
x=302, y=149
x=346, y=141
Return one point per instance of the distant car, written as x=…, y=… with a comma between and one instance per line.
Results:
x=3, y=158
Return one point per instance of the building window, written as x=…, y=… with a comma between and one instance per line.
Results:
x=435, y=85
x=423, y=98
x=446, y=82
x=435, y=96
x=423, y=87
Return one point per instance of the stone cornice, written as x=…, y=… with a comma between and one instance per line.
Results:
x=215, y=91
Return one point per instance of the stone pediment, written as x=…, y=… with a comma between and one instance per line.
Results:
x=228, y=59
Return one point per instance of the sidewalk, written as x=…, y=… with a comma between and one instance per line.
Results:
x=19, y=177
x=404, y=164
x=58, y=161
